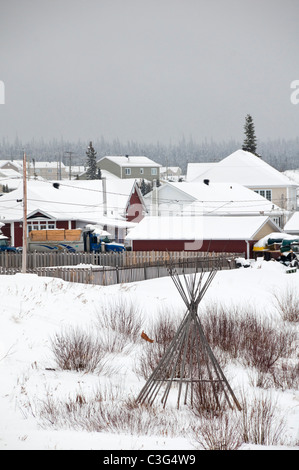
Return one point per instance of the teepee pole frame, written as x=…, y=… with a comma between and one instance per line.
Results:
x=190, y=338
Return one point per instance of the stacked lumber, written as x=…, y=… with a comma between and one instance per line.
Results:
x=55, y=235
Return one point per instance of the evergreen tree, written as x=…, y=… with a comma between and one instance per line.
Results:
x=249, y=144
x=145, y=187
x=91, y=164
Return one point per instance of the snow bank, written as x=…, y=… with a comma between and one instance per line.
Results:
x=34, y=308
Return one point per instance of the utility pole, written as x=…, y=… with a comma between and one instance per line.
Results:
x=24, y=252
x=104, y=188
x=70, y=167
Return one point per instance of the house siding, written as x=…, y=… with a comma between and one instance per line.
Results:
x=6, y=230
x=120, y=171
x=217, y=246
x=108, y=165
x=135, y=208
x=16, y=237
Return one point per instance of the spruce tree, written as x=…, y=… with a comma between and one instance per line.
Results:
x=91, y=171
x=249, y=144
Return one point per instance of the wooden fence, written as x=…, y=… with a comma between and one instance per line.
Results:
x=127, y=258
x=109, y=275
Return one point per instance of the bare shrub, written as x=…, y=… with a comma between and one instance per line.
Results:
x=77, y=350
x=286, y=376
x=222, y=328
x=287, y=304
x=122, y=323
x=263, y=344
x=207, y=400
x=246, y=337
x=218, y=432
x=260, y=423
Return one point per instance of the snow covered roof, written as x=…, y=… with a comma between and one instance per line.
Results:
x=73, y=200
x=174, y=169
x=213, y=198
x=292, y=225
x=199, y=228
x=9, y=173
x=16, y=163
x=105, y=173
x=131, y=160
x=195, y=170
x=293, y=175
x=240, y=167
x=36, y=164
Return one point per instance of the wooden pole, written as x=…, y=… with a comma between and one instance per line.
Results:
x=24, y=252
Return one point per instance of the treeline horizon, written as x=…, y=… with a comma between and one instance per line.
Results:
x=282, y=154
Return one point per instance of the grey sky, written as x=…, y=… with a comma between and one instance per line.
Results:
x=148, y=70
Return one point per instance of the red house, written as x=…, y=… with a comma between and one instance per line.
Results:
x=230, y=234
x=71, y=205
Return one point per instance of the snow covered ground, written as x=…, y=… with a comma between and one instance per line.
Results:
x=33, y=309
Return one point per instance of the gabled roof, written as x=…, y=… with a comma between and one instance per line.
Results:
x=16, y=163
x=131, y=160
x=73, y=200
x=199, y=228
x=240, y=167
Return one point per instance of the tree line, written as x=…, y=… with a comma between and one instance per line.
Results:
x=282, y=154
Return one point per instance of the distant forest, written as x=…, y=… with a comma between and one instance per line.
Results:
x=281, y=154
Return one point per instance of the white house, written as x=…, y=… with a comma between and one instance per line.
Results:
x=170, y=173
x=37, y=169
x=250, y=171
x=210, y=199
x=9, y=178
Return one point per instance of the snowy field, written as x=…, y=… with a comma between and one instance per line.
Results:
x=34, y=309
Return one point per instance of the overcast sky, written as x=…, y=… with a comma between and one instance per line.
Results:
x=148, y=70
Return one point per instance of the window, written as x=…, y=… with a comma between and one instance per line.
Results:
x=141, y=171
x=267, y=193
x=127, y=171
x=276, y=220
x=40, y=225
x=154, y=171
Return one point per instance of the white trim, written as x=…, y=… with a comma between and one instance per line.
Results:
x=12, y=233
x=36, y=224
